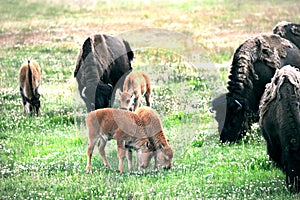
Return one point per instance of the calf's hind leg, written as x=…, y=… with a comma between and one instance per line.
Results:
x=101, y=148
x=129, y=158
x=23, y=101
x=89, y=153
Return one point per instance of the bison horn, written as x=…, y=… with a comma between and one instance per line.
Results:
x=211, y=110
x=239, y=104
x=83, y=92
x=293, y=141
x=295, y=30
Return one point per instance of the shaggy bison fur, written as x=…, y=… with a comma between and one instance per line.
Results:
x=280, y=123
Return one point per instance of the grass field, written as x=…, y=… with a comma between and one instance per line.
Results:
x=185, y=46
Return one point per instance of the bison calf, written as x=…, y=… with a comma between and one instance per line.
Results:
x=121, y=125
x=29, y=82
x=136, y=85
x=280, y=123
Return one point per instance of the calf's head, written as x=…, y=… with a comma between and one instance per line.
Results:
x=144, y=157
x=127, y=100
x=164, y=156
x=35, y=104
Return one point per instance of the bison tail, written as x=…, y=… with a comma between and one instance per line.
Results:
x=130, y=53
x=30, y=78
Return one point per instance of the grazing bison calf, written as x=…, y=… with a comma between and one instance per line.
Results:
x=29, y=82
x=121, y=125
x=136, y=85
x=163, y=152
x=280, y=123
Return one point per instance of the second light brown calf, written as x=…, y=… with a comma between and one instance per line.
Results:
x=163, y=152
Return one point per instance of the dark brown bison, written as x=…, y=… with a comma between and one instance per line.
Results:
x=289, y=31
x=254, y=64
x=29, y=82
x=102, y=61
x=280, y=123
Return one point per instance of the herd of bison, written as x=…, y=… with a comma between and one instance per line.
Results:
x=263, y=87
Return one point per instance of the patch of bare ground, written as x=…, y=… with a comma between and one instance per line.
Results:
x=63, y=34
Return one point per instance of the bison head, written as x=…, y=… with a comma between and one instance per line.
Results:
x=230, y=117
x=289, y=31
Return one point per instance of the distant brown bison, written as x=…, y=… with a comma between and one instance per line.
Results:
x=289, y=31
x=29, y=82
x=102, y=61
x=163, y=152
x=254, y=64
x=136, y=85
x=280, y=123
x=121, y=125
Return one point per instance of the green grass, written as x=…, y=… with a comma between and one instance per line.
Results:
x=44, y=157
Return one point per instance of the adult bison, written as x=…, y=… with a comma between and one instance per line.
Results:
x=102, y=61
x=254, y=64
x=289, y=31
x=280, y=123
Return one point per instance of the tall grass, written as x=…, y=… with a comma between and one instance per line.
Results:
x=44, y=157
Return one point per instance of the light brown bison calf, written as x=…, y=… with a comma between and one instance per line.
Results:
x=136, y=85
x=163, y=152
x=121, y=125
x=29, y=82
